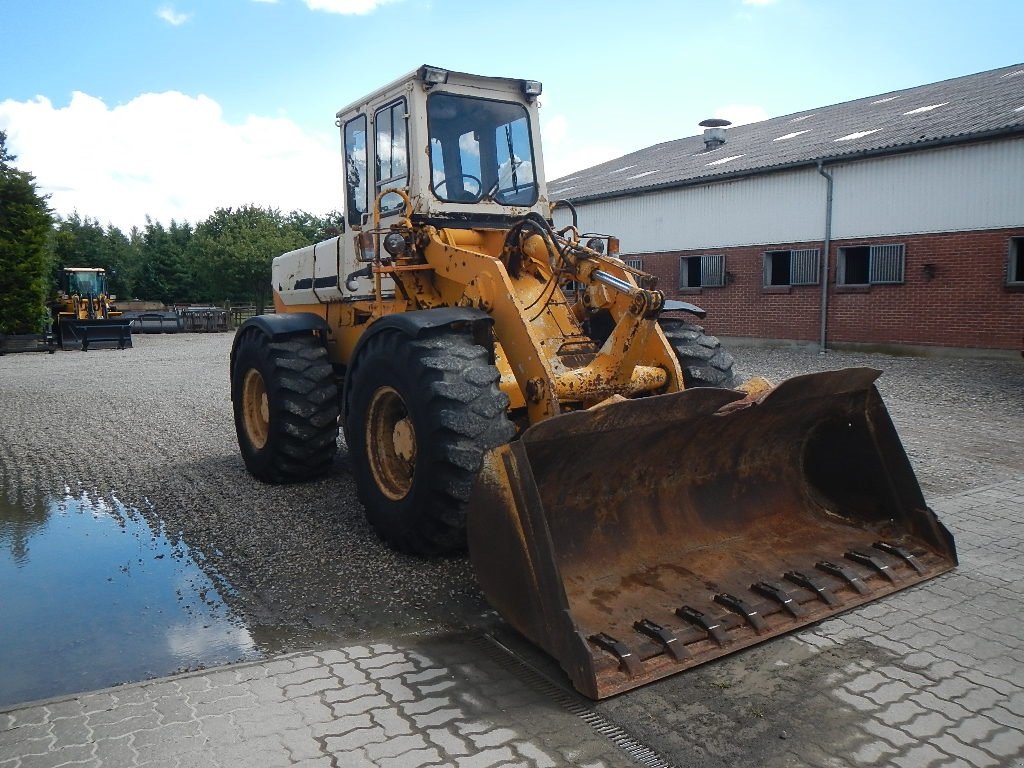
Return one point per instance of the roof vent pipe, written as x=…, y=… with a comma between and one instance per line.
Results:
x=714, y=132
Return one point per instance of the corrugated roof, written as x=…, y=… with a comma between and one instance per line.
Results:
x=962, y=109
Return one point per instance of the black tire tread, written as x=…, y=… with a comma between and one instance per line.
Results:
x=459, y=414
x=303, y=400
x=704, y=361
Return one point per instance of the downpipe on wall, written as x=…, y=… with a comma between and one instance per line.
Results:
x=824, y=259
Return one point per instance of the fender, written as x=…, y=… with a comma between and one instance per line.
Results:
x=415, y=323
x=278, y=327
x=671, y=305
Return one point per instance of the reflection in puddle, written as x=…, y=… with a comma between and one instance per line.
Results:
x=92, y=596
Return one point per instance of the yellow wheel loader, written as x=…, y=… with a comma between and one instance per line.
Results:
x=518, y=387
x=83, y=312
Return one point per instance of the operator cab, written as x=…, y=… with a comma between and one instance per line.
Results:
x=439, y=147
x=457, y=144
x=84, y=282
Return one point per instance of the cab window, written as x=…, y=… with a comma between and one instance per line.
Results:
x=480, y=150
x=392, y=153
x=355, y=170
x=86, y=283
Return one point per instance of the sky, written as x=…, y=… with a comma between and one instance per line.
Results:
x=128, y=109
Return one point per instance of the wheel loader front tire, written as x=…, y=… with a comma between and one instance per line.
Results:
x=704, y=361
x=285, y=406
x=419, y=417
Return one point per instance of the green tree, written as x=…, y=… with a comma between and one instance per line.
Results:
x=164, y=273
x=313, y=228
x=77, y=242
x=233, y=250
x=83, y=242
x=120, y=258
x=24, y=259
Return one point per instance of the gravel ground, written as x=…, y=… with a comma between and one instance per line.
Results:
x=961, y=420
x=152, y=427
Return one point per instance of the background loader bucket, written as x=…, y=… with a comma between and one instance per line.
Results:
x=638, y=539
x=99, y=332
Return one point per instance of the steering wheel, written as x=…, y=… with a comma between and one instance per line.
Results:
x=472, y=197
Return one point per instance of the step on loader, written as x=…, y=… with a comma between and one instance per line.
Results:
x=628, y=506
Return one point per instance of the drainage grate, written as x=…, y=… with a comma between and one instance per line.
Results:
x=537, y=680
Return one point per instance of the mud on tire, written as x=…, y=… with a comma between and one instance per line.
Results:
x=419, y=417
x=286, y=407
x=704, y=361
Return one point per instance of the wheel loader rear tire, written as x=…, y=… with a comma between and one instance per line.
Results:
x=419, y=417
x=285, y=406
x=704, y=361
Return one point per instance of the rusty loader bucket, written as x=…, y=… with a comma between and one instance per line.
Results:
x=638, y=539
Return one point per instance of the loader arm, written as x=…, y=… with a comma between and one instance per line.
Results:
x=555, y=364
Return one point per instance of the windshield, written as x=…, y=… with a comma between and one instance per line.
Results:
x=86, y=283
x=480, y=150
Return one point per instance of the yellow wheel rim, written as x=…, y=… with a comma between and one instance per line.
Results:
x=255, y=409
x=390, y=443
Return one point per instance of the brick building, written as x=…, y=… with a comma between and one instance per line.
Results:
x=909, y=204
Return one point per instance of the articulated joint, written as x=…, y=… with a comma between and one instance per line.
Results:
x=647, y=303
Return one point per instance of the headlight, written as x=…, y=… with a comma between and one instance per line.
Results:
x=432, y=76
x=531, y=88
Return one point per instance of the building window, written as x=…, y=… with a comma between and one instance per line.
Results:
x=1015, y=269
x=635, y=263
x=798, y=267
x=706, y=271
x=871, y=264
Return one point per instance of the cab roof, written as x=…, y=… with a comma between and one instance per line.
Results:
x=422, y=73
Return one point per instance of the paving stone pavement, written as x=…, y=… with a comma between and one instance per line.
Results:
x=436, y=702
x=947, y=691
x=951, y=692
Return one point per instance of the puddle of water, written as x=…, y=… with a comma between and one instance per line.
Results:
x=92, y=596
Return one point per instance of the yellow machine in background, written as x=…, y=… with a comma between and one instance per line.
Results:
x=83, y=312
x=627, y=509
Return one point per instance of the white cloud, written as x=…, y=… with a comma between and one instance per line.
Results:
x=171, y=16
x=168, y=155
x=741, y=114
x=347, y=7
x=565, y=151
x=218, y=639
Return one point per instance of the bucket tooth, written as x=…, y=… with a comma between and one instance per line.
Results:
x=846, y=574
x=628, y=660
x=805, y=581
x=776, y=592
x=752, y=616
x=874, y=563
x=901, y=553
x=713, y=626
x=665, y=637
